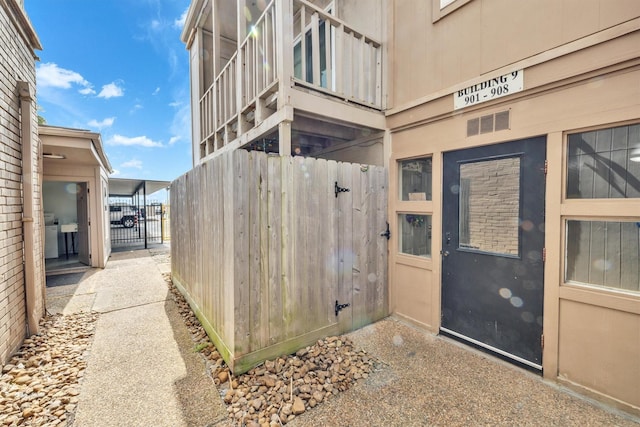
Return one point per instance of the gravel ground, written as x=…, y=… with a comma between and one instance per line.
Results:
x=429, y=381
x=39, y=385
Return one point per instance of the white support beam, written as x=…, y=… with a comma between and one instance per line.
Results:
x=284, y=138
x=336, y=110
x=284, y=22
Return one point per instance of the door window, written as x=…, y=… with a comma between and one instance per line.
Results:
x=489, y=195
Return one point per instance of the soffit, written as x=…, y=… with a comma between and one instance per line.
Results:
x=125, y=187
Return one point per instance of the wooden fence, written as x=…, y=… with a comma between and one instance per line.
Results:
x=263, y=247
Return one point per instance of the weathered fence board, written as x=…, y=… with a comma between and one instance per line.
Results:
x=263, y=249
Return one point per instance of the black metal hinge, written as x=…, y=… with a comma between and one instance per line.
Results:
x=340, y=189
x=387, y=233
x=339, y=307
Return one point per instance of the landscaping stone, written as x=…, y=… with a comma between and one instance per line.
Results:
x=39, y=385
x=279, y=390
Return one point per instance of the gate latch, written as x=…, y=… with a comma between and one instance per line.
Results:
x=387, y=233
x=340, y=189
x=339, y=307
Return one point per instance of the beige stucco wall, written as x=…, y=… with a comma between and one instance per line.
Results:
x=17, y=63
x=591, y=334
x=485, y=35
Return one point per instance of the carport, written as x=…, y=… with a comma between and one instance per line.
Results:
x=129, y=197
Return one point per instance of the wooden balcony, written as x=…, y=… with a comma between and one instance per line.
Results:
x=293, y=47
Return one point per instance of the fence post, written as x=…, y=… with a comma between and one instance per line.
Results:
x=161, y=223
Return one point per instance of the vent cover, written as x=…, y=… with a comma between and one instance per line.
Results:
x=502, y=120
x=473, y=127
x=489, y=123
x=486, y=124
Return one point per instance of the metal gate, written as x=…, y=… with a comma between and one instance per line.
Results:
x=136, y=225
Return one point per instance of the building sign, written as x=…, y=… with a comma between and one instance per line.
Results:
x=489, y=89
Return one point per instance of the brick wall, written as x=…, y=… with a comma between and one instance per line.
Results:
x=17, y=63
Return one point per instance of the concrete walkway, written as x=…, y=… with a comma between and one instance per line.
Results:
x=142, y=369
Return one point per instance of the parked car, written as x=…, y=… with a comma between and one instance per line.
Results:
x=124, y=215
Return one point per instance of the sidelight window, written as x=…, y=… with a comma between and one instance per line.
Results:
x=604, y=164
x=603, y=253
x=603, y=173
x=415, y=234
x=415, y=179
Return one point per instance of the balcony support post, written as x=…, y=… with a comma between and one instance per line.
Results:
x=284, y=138
x=284, y=53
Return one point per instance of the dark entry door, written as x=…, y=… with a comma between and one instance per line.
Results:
x=492, y=247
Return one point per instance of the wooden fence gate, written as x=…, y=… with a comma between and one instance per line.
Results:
x=274, y=253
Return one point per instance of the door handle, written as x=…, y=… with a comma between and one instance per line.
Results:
x=444, y=253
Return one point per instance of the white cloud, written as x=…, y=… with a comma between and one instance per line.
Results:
x=132, y=164
x=87, y=91
x=111, y=90
x=157, y=91
x=175, y=104
x=174, y=139
x=115, y=172
x=50, y=75
x=155, y=24
x=142, y=141
x=179, y=23
x=103, y=124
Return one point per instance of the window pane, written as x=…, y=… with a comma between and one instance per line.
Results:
x=415, y=179
x=415, y=234
x=604, y=164
x=297, y=61
x=603, y=253
x=490, y=206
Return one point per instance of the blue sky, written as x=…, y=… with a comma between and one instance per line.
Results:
x=118, y=67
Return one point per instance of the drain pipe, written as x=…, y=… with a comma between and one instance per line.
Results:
x=30, y=280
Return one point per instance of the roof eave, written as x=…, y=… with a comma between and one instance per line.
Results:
x=23, y=22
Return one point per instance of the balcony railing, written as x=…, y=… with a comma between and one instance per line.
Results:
x=327, y=55
x=332, y=57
